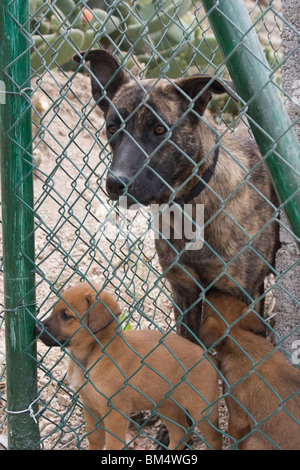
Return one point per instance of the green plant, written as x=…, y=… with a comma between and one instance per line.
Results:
x=124, y=322
x=162, y=39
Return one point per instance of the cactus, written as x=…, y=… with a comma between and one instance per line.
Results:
x=161, y=44
x=108, y=23
x=56, y=50
x=56, y=37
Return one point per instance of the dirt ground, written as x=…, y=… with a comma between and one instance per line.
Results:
x=78, y=235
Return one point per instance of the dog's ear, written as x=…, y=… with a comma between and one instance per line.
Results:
x=106, y=74
x=102, y=311
x=252, y=322
x=211, y=330
x=194, y=85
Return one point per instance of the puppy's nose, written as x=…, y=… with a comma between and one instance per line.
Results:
x=115, y=186
x=37, y=329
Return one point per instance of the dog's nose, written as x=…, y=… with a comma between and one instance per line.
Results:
x=37, y=329
x=115, y=185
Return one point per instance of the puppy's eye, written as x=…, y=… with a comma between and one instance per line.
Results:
x=160, y=130
x=112, y=129
x=65, y=316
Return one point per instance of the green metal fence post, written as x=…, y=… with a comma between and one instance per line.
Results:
x=18, y=226
x=269, y=120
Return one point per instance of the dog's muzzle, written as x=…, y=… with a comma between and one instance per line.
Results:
x=41, y=333
x=116, y=185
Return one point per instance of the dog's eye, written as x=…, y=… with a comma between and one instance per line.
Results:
x=65, y=316
x=112, y=129
x=159, y=130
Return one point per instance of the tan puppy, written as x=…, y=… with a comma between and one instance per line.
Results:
x=118, y=372
x=264, y=388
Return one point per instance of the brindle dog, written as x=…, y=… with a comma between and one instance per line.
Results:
x=165, y=151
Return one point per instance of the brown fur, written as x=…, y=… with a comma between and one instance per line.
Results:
x=130, y=371
x=240, y=237
x=259, y=378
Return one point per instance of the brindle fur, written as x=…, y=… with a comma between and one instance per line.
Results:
x=240, y=242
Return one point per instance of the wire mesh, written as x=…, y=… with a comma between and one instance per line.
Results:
x=80, y=234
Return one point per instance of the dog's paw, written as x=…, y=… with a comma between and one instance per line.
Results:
x=162, y=438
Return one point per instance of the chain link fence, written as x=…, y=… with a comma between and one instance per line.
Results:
x=80, y=234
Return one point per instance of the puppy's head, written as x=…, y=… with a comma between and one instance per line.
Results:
x=222, y=314
x=80, y=314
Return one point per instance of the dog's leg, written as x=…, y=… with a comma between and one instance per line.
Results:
x=211, y=434
x=257, y=441
x=189, y=318
x=176, y=421
x=186, y=291
x=188, y=309
x=116, y=425
x=207, y=417
x=96, y=435
x=238, y=424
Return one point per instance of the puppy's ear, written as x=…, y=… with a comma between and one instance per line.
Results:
x=106, y=74
x=102, y=312
x=211, y=331
x=193, y=86
x=252, y=322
